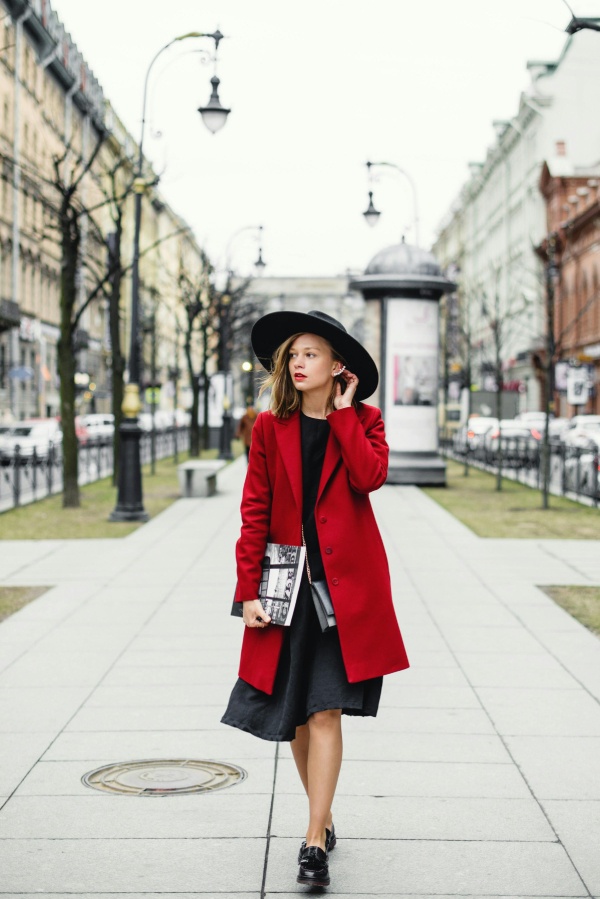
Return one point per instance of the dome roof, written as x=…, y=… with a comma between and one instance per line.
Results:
x=403, y=259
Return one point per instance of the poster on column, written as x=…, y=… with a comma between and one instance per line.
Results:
x=411, y=375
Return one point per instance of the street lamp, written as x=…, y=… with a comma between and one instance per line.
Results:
x=130, y=505
x=260, y=263
x=372, y=214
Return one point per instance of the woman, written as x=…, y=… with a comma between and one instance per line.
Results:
x=315, y=457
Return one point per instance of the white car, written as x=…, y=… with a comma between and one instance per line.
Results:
x=586, y=428
x=471, y=436
x=582, y=468
x=520, y=441
x=100, y=426
x=33, y=434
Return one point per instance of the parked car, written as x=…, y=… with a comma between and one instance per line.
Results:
x=581, y=429
x=519, y=440
x=582, y=468
x=100, y=427
x=81, y=431
x=533, y=418
x=32, y=434
x=557, y=428
x=470, y=437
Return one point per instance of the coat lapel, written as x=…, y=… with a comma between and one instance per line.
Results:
x=287, y=433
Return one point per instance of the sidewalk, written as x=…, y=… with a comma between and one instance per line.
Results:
x=479, y=777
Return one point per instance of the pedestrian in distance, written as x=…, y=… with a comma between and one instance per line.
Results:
x=316, y=455
x=244, y=428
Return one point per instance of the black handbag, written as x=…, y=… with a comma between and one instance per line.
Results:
x=321, y=598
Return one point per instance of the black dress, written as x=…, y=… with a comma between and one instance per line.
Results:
x=311, y=676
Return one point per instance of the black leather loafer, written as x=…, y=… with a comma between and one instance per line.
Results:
x=330, y=842
x=314, y=869
x=330, y=838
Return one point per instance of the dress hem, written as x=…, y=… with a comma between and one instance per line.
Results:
x=355, y=711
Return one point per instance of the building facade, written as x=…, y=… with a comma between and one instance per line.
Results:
x=53, y=113
x=487, y=239
x=573, y=216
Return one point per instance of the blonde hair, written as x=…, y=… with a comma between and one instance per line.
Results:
x=285, y=399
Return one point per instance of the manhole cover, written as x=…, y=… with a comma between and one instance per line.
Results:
x=164, y=777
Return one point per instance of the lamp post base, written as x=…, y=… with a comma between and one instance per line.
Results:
x=130, y=506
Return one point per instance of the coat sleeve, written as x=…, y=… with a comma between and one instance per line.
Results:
x=363, y=445
x=256, y=516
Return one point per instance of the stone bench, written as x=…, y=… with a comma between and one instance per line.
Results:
x=198, y=477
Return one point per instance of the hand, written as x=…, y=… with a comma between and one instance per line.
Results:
x=344, y=400
x=254, y=615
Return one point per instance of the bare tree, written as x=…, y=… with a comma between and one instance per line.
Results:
x=69, y=172
x=199, y=310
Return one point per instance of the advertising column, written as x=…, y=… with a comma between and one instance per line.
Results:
x=411, y=374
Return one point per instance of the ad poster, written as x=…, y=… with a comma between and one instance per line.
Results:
x=411, y=375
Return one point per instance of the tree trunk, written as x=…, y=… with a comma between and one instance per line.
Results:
x=194, y=427
x=499, y=385
x=206, y=382
x=66, y=355
x=548, y=369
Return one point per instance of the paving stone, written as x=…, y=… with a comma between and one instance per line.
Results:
x=419, y=818
x=154, y=866
x=57, y=669
x=436, y=779
x=429, y=697
x=29, y=710
x=535, y=670
x=439, y=721
x=150, y=718
x=18, y=753
x=430, y=868
x=179, y=895
x=181, y=695
x=220, y=815
x=561, y=768
x=414, y=747
x=127, y=745
x=508, y=640
x=168, y=675
x=578, y=826
x=542, y=712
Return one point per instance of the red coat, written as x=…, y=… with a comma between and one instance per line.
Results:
x=354, y=559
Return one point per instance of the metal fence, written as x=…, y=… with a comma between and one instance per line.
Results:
x=574, y=471
x=26, y=479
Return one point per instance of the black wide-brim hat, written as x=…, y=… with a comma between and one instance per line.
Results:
x=270, y=331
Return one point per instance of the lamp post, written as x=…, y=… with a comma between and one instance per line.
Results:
x=372, y=215
x=260, y=263
x=130, y=505
x=225, y=448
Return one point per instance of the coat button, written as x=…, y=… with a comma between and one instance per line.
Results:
x=328, y=550
x=322, y=519
x=334, y=581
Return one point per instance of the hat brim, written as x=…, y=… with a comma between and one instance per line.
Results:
x=270, y=331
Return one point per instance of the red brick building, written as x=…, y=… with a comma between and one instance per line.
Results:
x=573, y=214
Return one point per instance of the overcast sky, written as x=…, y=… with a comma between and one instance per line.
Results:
x=316, y=88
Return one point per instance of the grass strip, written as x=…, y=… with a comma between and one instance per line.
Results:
x=14, y=598
x=515, y=511
x=583, y=603
x=47, y=520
